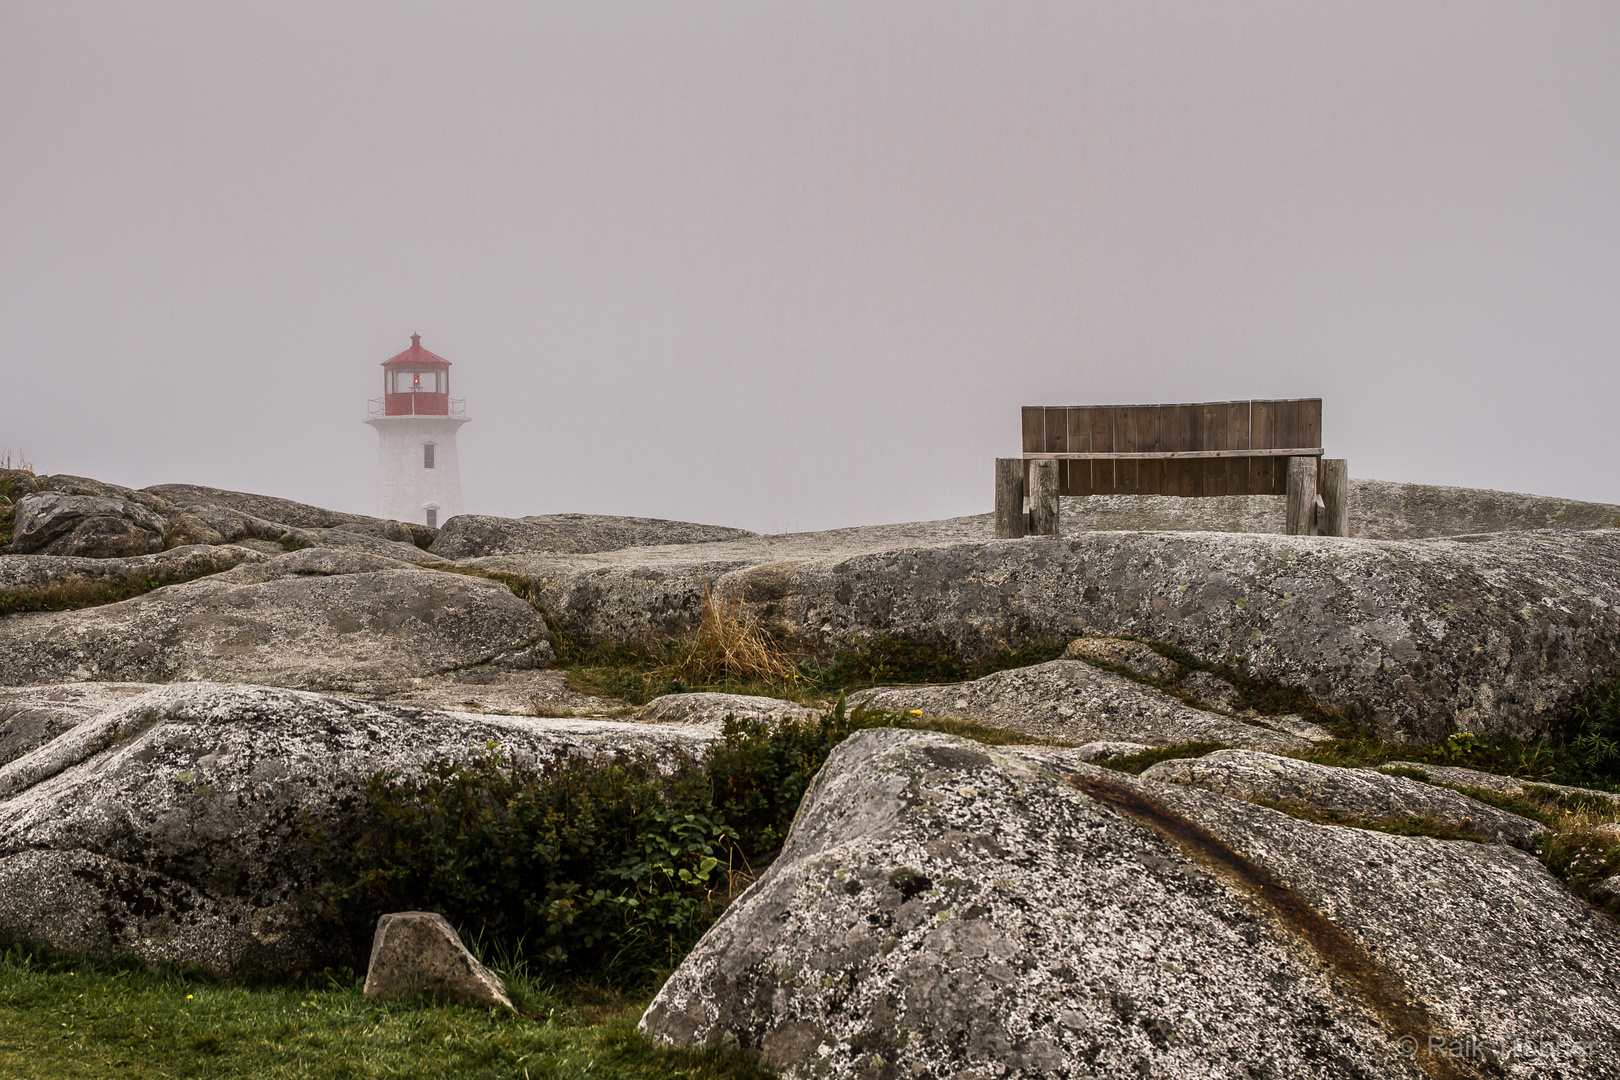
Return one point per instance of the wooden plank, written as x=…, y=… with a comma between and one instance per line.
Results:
x=1215, y=427
x=1078, y=481
x=1105, y=473
x=1056, y=423
x=1009, y=498
x=1140, y=475
x=1262, y=436
x=1043, y=498
x=1034, y=428
x=1307, y=430
x=1184, y=455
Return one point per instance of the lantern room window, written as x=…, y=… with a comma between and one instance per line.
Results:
x=420, y=382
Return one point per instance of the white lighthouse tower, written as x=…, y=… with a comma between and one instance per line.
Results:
x=418, y=468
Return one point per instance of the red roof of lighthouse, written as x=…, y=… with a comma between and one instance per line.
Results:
x=416, y=356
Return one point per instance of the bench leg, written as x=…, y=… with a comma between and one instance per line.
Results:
x=1301, y=495
x=1043, y=497
x=1335, y=497
x=1009, y=498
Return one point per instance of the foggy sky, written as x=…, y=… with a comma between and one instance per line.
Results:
x=792, y=266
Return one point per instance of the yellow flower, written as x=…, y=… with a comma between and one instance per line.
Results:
x=188, y=997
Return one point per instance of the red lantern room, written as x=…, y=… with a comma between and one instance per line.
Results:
x=416, y=383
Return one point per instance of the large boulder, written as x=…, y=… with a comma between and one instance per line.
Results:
x=265, y=507
x=1359, y=795
x=943, y=909
x=1072, y=701
x=419, y=952
x=68, y=484
x=317, y=619
x=43, y=582
x=468, y=536
x=51, y=523
x=1493, y=634
x=31, y=716
x=173, y=827
x=716, y=709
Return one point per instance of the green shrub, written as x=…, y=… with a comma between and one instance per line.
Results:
x=608, y=866
x=1594, y=735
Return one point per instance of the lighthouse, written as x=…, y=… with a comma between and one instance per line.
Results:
x=418, y=469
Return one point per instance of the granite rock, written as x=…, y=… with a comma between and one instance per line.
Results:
x=1133, y=656
x=1494, y=634
x=944, y=909
x=418, y=952
x=89, y=526
x=468, y=536
x=1072, y=701
x=173, y=826
x=1364, y=794
x=714, y=709
x=28, y=580
x=1212, y=690
x=314, y=618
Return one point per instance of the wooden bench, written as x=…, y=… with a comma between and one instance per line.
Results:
x=1195, y=450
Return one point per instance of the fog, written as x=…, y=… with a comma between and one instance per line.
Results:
x=793, y=266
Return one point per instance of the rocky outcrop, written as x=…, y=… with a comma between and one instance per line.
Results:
x=1457, y=777
x=172, y=828
x=1492, y=635
x=265, y=507
x=418, y=952
x=467, y=536
x=83, y=485
x=34, y=582
x=1133, y=656
x=1379, y=510
x=32, y=716
x=1361, y=794
x=944, y=909
x=1388, y=511
x=715, y=709
x=316, y=618
x=1072, y=701
x=50, y=523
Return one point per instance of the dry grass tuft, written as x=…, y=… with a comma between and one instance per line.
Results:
x=731, y=645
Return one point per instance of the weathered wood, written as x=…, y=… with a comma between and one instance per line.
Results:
x=1104, y=474
x=1212, y=448
x=1077, y=481
x=1301, y=515
x=1167, y=455
x=1043, y=498
x=1034, y=420
x=1335, y=477
x=1009, y=498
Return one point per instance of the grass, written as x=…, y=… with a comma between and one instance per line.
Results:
x=1137, y=763
x=730, y=653
x=64, y=1018
x=75, y=594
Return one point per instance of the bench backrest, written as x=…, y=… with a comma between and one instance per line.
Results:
x=1225, y=430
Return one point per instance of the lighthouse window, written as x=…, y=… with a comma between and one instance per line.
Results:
x=427, y=455
x=433, y=517
x=419, y=382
